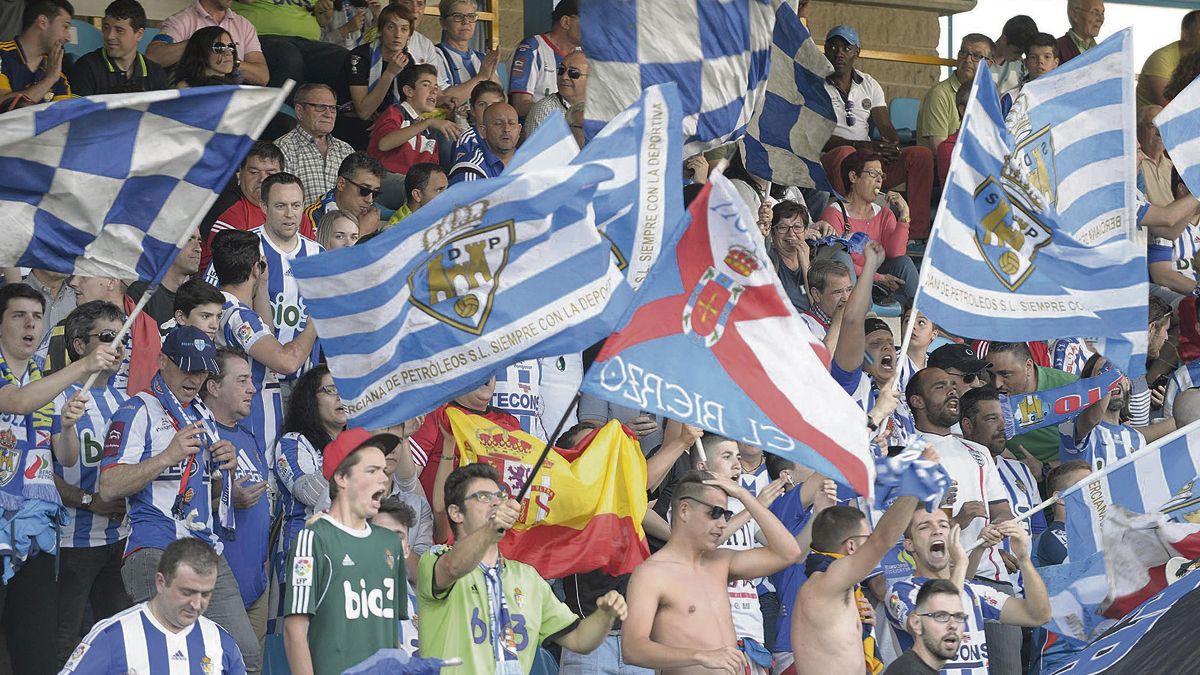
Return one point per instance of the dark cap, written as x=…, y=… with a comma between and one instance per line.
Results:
x=873, y=324
x=350, y=441
x=191, y=349
x=847, y=33
x=957, y=356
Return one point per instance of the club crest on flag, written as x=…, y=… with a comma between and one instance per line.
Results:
x=715, y=295
x=1030, y=411
x=1184, y=505
x=457, y=283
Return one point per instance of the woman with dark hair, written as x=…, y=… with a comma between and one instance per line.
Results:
x=863, y=175
x=209, y=58
x=1187, y=70
x=315, y=416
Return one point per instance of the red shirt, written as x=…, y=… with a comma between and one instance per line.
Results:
x=881, y=227
x=420, y=148
x=244, y=215
x=945, y=151
x=429, y=438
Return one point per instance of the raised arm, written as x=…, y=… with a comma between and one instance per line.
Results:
x=781, y=548
x=26, y=399
x=852, y=340
x=467, y=552
x=845, y=572
x=1033, y=609
x=285, y=358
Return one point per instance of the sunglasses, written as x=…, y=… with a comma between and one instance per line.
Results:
x=714, y=510
x=363, y=190
x=223, y=47
x=105, y=336
x=573, y=73
x=967, y=378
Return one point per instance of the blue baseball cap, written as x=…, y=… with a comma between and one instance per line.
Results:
x=847, y=33
x=191, y=349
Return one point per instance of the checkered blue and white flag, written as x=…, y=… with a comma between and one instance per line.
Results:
x=718, y=53
x=111, y=186
x=1179, y=125
x=784, y=140
x=1036, y=234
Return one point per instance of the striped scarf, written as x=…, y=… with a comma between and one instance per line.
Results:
x=819, y=561
x=26, y=466
x=377, y=71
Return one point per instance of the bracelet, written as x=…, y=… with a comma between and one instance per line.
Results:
x=451, y=458
x=872, y=425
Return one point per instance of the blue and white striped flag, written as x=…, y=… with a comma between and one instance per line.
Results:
x=640, y=208
x=1149, y=481
x=1033, y=213
x=492, y=272
x=112, y=186
x=1076, y=590
x=784, y=141
x=718, y=53
x=1179, y=125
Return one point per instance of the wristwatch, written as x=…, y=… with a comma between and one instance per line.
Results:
x=86, y=500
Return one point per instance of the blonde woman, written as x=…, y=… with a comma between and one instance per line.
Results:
x=337, y=229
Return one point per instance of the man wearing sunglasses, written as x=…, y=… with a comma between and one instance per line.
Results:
x=510, y=609
x=680, y=616
x=936, y=626
x=859, y=102
x=310, y=150
x=93, y=544
x=960, y=362
x=355, y=190
x=938, y=116
x=536, y=59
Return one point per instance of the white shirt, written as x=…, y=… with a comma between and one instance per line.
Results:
x=519, y=393
x=561, y=377
x=743, y=593
x=972, y=466
x=865, y=95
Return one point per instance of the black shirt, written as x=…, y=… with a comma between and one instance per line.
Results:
x=160, y=306
x=793, y=281
x=94, y=73
x=909, y=664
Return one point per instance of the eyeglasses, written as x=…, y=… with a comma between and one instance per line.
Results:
x=105, y=336
x=944, y=617
x=974, y=56
x=363, y=190
x=714, y=510
x=794, y=228
x=875, y=173
x=321, y=108
x=573, y=73
x=328, y=390
x=459, y=17
x=223, y=47
x=488, y=496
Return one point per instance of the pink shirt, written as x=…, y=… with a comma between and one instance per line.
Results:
x=882, y=227
x=180, y=26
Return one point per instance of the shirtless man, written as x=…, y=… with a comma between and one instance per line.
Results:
x=679, y=615
x=826, y=623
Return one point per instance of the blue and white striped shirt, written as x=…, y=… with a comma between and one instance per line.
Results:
x=1104, y=444
x=88, y=529
x=1185, y=377
x=133, y=641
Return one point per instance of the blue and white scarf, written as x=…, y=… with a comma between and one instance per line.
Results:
x=28, y=471
x=181, y=417
x=500, y=632
x=1026, y=412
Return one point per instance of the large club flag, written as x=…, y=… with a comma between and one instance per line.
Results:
x=712, y=341
x=1031, y=211
x=784, y=141
x=718, y=53
x=112, y=186
x=492, y=272
x=585, y=506
x=1179, y=126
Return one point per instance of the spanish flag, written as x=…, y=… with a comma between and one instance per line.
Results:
x=584, y=509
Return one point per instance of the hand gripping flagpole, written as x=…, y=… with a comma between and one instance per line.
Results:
x=558, y=428
x=1095, y=475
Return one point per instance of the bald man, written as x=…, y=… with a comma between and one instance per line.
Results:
x=501, y=131
x=1086, y=18
x=1187, y=408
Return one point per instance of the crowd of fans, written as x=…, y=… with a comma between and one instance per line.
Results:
x=217, y=400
